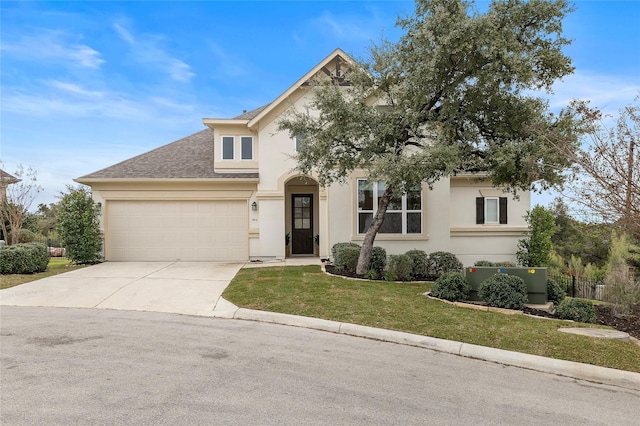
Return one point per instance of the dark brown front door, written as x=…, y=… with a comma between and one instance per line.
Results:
x=302, y=224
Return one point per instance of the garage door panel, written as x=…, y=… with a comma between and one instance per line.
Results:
x=177, y=230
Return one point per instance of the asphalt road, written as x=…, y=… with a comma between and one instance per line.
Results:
x=87, y=366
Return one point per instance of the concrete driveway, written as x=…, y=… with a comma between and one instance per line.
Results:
x=191, y=288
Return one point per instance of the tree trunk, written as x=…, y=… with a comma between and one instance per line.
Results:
x=367, y=245
x=628, y=221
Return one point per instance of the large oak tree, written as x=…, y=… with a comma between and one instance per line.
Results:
x=453, y=94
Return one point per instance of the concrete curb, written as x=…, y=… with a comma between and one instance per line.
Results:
x=576, y=370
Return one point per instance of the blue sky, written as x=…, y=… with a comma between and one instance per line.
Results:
x=85, y=85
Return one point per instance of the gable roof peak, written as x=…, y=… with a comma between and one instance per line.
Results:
x=338, y=54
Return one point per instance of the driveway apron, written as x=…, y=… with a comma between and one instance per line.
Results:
x=191, y=288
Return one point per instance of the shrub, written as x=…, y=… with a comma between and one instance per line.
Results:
x=26, y=258
x=505, y=264
x=338, y=246
x=451, y=286
x=579, y=310
x=79, y=226
x=441, y=262
x=555, y=293
x=401, y=266
x=389, y=276
x=26, y=236
x=419, y=264
x=622, y=289
x=371, y=275
x=484, y=263
x=378, y=260
x=346, y=258
x=504, y=291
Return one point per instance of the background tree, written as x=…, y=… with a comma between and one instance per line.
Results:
x=607, y=183
x=18, y=201
x=535, y=250
x=46, y=218
x=587, y=241
x=78, y=225
x=452, y=95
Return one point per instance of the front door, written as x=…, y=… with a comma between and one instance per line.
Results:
x=302, y=224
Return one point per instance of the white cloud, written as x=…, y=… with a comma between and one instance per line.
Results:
x=607, y=92
x=147, y=49
x=53, y=46
x=75, y=89
x=124, y=33
x=356, y=27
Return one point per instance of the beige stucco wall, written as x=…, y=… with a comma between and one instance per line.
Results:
x=495, y=242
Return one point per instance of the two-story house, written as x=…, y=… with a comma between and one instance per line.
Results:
x=231, y=193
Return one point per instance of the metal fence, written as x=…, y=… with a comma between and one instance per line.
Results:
x=581, y=287
x=585, y=288
x=49, y=242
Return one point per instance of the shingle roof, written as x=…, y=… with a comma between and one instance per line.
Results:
x=187, y=158
x=6, y=178
x=248, y=115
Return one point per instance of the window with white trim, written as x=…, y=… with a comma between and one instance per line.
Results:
x=228, y=143
x=491, y=210
x=245, y=147
x=404, y=213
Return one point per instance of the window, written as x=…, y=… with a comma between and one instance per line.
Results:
x=227, y=147
x=404, y=213
x=299, y=142
x=491, y=210
x=246, y=148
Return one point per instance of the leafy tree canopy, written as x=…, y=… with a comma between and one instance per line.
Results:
x=452, y=95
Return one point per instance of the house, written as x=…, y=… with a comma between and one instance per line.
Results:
x=231, y=193
x=5, y=180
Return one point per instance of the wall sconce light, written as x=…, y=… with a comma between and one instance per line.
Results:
x=254, y=206
x=99, y=205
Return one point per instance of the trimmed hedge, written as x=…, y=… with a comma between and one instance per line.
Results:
x=347, y=258
x=419, y=260
x=400, y=267
x=555, y=293
x=579, y=310
x=335, y=250
x=26, y=258
x=504, y=291
x=378, y=260
x=452, y=286
x=441, y=262
x=501, y=264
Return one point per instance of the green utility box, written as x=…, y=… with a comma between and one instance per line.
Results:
x=534, y=278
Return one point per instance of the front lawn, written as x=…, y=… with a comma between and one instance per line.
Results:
x=57, y=265
x=307, y=291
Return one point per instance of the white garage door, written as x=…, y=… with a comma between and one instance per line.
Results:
x=177, y=230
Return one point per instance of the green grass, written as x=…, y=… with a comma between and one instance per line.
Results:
x=57, y=265
x=307, y=291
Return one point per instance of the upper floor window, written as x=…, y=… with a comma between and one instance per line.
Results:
x=491, y=210
x=299, y=141
x=229, y=148
x=404, y=213
x=228, y=143
x=246, y=147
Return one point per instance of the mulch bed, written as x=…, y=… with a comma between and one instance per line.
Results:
x=604, y=314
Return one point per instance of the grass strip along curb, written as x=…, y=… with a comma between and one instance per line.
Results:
x=576, y=370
